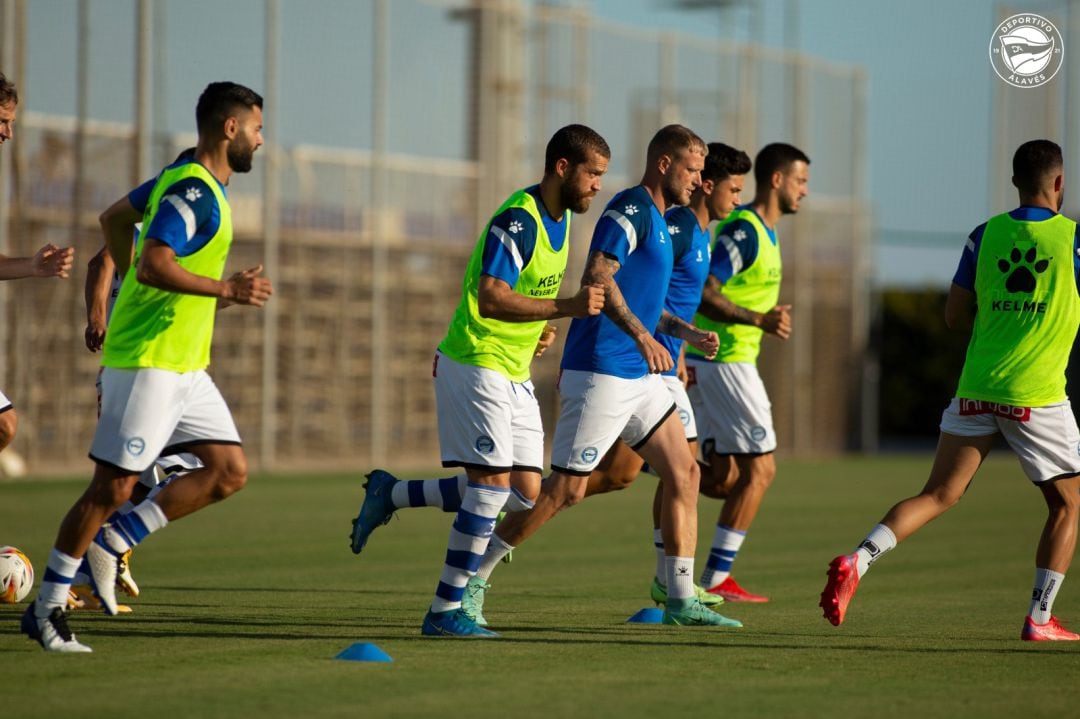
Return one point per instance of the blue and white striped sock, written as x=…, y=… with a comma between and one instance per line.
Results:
x=124, y=509
x=165, y=483
x=468, y=541
x=444, y=493
x=131, y=528
x=59, y=573
x=725, y=547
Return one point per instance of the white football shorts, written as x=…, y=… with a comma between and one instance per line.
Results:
x=599, y=408
x=163, y=466
x=148, y=412
x=1045, y=439
x=682, y=405
x=5, y=403
x=732, y=409
x=485, y=420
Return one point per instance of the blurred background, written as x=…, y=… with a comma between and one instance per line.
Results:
x=394, y=129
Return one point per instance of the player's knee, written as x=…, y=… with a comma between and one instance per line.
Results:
x=110, y=492
x=521, y=500
x=945, y=497
x=684, y=480
x=1066, y=512
x=1064, y=501
x=571, y=499
x=8, y=424
x=693, y=475
x=719, y=477
x=571, y=495
x=763, y=476
x=615, y=482
x=232, y=474
x=711, y=488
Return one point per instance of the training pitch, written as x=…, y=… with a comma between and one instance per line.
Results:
x=245, y=605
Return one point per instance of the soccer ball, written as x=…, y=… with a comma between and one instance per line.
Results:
x=16, y=575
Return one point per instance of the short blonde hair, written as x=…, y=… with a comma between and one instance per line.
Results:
x=673, y=140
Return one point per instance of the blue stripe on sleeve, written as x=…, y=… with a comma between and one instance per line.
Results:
x=187, y=218
x=735, y=250
x=612, y=237
x=509, y=245
x=965, y=271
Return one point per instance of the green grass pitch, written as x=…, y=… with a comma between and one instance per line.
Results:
x=245, y=605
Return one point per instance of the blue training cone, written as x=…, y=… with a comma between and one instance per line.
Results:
x=651, y=615
x=364, y=652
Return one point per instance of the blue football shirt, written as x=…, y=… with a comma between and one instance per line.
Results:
x=634, y=233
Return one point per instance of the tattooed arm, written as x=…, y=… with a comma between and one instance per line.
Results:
x=705, y=341
x=600, y=271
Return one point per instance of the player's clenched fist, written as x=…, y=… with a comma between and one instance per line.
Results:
x=53, y=261
x=247, y=288
x=777, y=321
x=589, y=301
x=708, y=343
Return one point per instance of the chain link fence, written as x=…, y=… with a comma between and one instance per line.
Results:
x=366, y=244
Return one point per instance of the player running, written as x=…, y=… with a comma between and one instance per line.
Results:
x=489, y=419
x=610, y=385
x=1020, y=270
x=730, y=403
x=120, y=226
x=156, y=395
x=721, y=185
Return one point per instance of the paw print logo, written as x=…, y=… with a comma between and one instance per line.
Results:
x=739, y=235
x=192, y=194
x=673, y=229
x=630, y=210
x=1021, y=268
x=516, y=227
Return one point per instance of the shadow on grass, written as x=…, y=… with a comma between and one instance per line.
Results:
x=274, y=590
x=653, y=637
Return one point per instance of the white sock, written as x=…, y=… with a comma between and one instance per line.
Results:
x=518, y=502
x=399, y=495
x=880, y=540
x=56, y=582
x=680, y=576
x=661, y=564
x=496, y=550
x=1047, y=584
x=725, y=547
